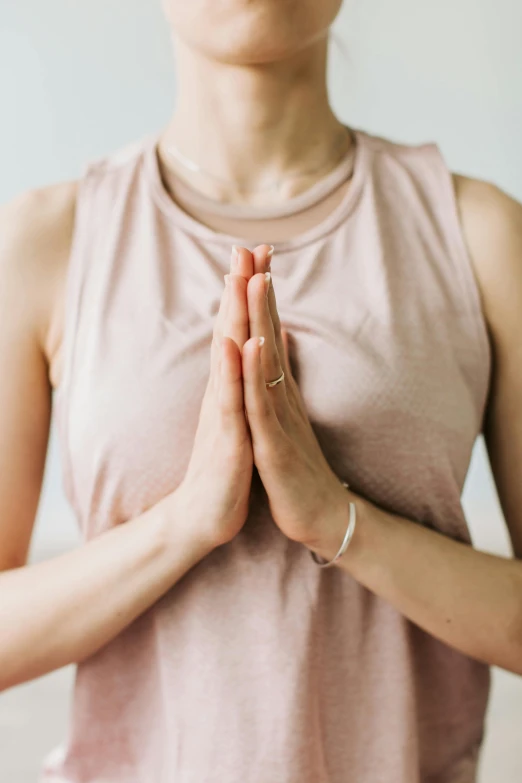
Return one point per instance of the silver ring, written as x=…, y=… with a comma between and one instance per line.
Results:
x=277, y=380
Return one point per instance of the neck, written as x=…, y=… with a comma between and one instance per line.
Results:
x=247, y=126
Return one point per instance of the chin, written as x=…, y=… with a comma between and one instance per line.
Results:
x=250, y=31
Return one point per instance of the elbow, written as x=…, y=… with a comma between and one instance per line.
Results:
x=7, y=673
x=13, y=668
x=5, y=681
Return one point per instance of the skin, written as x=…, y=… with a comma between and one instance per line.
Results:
x=255, y=73
x=260, y=93
x=418, y=570
x=64, y=609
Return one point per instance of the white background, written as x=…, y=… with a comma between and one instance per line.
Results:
x=80, y=79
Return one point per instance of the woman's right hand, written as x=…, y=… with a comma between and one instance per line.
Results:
x=216, y=487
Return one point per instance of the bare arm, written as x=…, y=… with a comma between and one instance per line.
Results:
x=469, y=599
x=493, y=225
x=63, y=610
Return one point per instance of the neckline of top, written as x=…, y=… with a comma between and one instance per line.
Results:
x=354, y=163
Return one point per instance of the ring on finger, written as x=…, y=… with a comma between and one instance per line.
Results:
x=268, y=384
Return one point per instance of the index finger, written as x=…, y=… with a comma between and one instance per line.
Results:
x=263, y=259
x=262, y=255
x=242, y=262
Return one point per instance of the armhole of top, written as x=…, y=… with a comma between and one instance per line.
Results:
x=75, y=274
x=461, y=257
x=78, y=254
x=73, y=288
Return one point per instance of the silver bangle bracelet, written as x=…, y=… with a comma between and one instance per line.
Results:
x=321, y=562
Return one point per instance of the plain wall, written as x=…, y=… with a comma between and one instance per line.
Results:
x=80, y=79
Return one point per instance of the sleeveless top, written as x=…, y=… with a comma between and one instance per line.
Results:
x=258, y=666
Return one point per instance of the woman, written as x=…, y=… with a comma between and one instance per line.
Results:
x=211, y=644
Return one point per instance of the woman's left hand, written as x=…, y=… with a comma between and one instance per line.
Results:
x=306, y=498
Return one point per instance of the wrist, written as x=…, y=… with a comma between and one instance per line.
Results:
x=332, y=529
x=180, y=529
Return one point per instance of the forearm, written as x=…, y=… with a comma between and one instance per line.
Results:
x=469, y=599
x=64, y=609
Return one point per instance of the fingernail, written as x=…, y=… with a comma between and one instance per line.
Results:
x=227, y=278
x=235, y=251
x=267, y=282
x=268, y=259
x=270, y=253
x=261, y=341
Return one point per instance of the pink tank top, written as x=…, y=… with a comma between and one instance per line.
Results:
x=258, y=666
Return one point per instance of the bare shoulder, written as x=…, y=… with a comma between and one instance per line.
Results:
x=492, y=225
x=36, y=231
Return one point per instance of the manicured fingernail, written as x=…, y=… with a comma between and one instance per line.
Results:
x=235, y=251
x=261, y=341
x=270, y=252
x=268, y=259
x=267, y=282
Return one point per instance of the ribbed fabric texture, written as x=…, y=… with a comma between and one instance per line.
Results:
x=258, y=666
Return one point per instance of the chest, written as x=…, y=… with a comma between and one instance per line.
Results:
x=384, y=376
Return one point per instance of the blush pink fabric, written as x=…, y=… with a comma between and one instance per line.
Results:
x=258, y=666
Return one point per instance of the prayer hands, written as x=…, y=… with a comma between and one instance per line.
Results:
x=303, y=491
x=216, y=485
